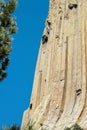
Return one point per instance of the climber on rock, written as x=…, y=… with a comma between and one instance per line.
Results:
x=30, y=106
x=44, y=39
x=78, y=91
x=49, y=23
x=73, y=4
x=48, y=28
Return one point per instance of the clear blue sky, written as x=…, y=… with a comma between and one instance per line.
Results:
x=15, y=90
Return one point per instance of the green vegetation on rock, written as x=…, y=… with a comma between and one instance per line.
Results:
x=30, y=125
x=74, y=127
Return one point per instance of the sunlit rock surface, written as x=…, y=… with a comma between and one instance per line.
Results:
x=59, y=95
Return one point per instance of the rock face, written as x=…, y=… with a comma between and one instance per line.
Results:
x=59, y=96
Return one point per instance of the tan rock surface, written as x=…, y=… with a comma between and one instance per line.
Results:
x=59, y=96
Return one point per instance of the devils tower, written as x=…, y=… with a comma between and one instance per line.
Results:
x=59, y=95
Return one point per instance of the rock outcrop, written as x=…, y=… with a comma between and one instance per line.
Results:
x=59, y=95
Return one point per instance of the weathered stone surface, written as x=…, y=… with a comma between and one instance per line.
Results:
x=59, y=96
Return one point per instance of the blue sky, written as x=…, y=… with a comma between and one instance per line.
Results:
x=15, y=90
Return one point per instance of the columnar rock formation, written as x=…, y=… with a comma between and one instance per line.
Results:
x=59, y=96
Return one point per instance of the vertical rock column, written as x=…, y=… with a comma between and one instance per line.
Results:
x=60, y=84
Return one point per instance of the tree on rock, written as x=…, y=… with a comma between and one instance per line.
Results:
x=7, y=28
